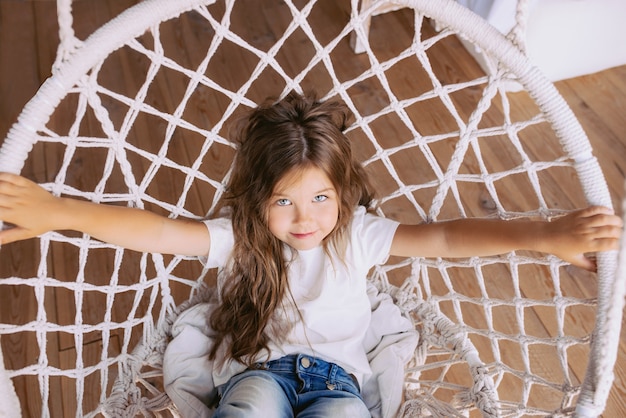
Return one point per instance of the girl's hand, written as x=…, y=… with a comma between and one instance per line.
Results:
x=569, y=237
x=33, y=211
x=588, y=230
x=26, y=205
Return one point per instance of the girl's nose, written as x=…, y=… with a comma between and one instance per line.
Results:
x=303, y=214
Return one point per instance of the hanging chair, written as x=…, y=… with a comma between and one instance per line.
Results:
x=499, y=336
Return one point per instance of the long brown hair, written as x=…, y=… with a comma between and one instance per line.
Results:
x=275, y=138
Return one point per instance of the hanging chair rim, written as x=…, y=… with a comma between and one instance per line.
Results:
x=136, y=20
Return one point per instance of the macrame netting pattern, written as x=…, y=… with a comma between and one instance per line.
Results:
x=497, y=333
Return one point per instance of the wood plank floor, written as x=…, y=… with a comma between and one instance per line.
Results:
x=28, y=42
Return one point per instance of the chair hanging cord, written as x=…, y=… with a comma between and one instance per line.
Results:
x=517, y=34
x=68, y=42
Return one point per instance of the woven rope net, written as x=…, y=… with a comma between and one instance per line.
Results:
x=497, y=334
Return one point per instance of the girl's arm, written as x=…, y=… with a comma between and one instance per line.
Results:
x=34, y=211
x=569, y=237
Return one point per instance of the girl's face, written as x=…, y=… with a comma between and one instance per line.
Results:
x=303, y=209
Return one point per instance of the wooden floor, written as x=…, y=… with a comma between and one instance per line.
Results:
x=28, y=41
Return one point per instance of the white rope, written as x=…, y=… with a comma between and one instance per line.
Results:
x=517, y=35
x=9, y=402
x=599, y=377
x=68, y=42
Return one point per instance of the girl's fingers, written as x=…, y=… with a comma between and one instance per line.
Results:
x=604, y=220
x=6, y=189
x=610, y=231
x=12, y=187
x=596, y=210
x=12, y=184
x=7, y=179
x=584, y=262
x=606, y=244
x=14, y=234
x=599, y=224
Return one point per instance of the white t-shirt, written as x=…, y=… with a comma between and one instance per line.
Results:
x=329, y=293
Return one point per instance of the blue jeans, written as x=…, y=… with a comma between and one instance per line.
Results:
x=293, y=386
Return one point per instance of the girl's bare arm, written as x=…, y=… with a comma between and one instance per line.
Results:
x=34, y=211
x=569, y=237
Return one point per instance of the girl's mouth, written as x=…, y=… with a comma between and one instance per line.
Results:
x=303, y=235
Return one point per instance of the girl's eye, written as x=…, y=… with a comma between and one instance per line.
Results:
x=320, y=198
x=283, y=202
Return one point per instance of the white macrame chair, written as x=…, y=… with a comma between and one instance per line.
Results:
x=469, y=167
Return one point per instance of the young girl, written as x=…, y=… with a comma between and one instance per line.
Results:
x=295, y=249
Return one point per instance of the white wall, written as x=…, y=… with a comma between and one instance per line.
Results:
x=565, y=38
